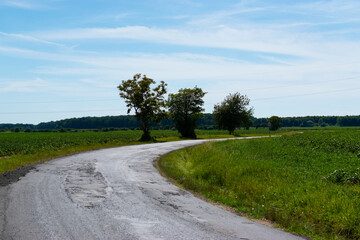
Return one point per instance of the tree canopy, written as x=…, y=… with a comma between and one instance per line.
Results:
x=148, y=103
x=275, y=122
x=185, y=108
x=233, y=112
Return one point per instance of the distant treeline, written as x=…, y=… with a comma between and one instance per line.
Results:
x=313, y=121
x=206, y=122
x=107, y=122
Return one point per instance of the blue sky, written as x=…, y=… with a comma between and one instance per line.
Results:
x=61, y=59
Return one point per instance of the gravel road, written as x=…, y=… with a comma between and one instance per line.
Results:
x=115, y=194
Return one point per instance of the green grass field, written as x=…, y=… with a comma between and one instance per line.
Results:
x=307, y=183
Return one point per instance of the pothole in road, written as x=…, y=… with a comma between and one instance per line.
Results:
x=84, y=184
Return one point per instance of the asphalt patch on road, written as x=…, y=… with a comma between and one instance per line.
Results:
x=85, y=185
x=9, y=177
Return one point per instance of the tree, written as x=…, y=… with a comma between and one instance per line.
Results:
x=233, y=112
x=16, y=129
x=147, y=103
x=185, y=108
x=275, y=123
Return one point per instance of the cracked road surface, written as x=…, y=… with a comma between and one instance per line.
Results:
x=115, y=193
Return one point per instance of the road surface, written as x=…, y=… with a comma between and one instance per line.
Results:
x=115, y=193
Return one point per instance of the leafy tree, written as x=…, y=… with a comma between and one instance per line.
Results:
x=147, y=103
x=275, y=122
x=308, y=123
x=16, y=129
x=185, y=108
x=233, y=112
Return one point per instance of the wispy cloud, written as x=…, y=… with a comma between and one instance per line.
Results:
x=110, y=17
x=333, y=6
x=220, y=17
x=336, y=63
x=41, y=85
x=24, y=86
x=259, y=40
x=303, y=44
x=28, y=4
x=19, y=4
x=30, y=38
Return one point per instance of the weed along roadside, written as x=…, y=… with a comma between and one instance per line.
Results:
x=303, y=182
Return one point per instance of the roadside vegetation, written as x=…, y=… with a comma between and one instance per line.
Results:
x=306, y=183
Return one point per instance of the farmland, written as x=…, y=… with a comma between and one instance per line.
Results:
x=306, y=183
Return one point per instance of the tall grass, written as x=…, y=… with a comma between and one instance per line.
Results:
x=289, y=180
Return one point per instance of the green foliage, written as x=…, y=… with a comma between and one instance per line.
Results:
x=293, y=180
x=147, y=103
x=16, y=129
x=275, y=122
x=91, y=123
x=310, y=121
x=232, y=112
x=344, y=177
x=185, y=108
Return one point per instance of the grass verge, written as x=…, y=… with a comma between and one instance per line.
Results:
x=306, y=183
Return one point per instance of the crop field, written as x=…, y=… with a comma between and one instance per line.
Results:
x=306, y=183
x=29, y=143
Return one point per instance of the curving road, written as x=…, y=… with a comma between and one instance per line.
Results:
x=115, y=194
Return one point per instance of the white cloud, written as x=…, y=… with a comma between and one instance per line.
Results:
x=221, y=16
x=259, y=40
x=31, y=39
x=41, y=85
x=24, y=86
x=333, y=6
x=271, y=39
x=19, y=4
x=28, y=4
x=109, y=17
x=188, y=66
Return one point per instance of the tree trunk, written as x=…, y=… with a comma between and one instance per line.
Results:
x=146, y=132
x=145, y=136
